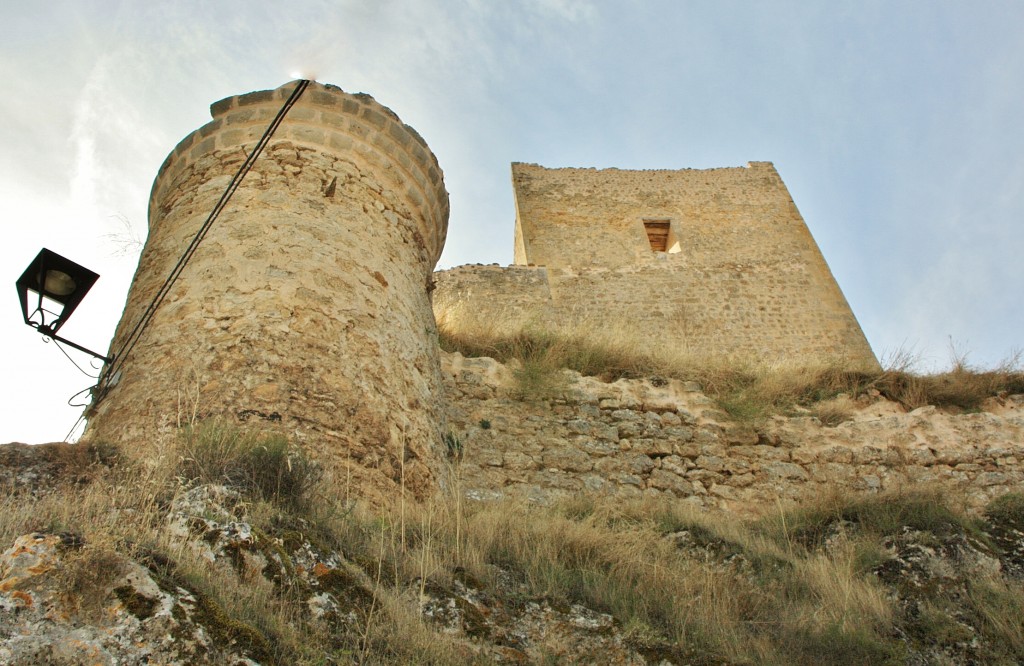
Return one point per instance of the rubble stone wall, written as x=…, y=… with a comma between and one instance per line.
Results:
x=635, y=438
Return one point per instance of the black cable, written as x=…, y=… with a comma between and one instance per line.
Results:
x=158, y=299
x=77, y=423
x=201, y=234
x=85, y=404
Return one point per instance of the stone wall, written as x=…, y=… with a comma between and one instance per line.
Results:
x=306, y=307
x=747, y=279
x=477, y=297
x=636, y=438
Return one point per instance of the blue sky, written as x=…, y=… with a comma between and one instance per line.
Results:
x=897, y=129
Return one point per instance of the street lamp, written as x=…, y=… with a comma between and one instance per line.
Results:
x=58, y=285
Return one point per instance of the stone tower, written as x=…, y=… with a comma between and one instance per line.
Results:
x=699, y=263
x=306, y=308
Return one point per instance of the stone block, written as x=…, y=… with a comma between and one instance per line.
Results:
x=629, y=429
x=725, y=492
x=706, y=476
x=567, y=458
x=653, y=447
x=675, y=465
x=665, y=480
x=638, y=463
x=784, y=470
x=920, y=456
x=557, y=479
x=597, y=484
x=631, y=480
x=260, y=97
x=671, y=419
x=218, y=109
x=597, y=447
x=710, y=463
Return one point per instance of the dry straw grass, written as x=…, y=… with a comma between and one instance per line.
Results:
x=118, y=511
x=793, y=587
x=746, y=390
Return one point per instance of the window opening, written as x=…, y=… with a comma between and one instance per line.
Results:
x=658, y=234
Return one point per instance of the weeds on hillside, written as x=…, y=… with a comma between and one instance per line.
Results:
x=795, y=587
x=1008, y=510
x=119, y=513
x=804, y=585
x=877, y=516
x=261, y=465
x=746, y=391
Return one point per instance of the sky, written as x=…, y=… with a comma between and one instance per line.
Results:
x=898, y=130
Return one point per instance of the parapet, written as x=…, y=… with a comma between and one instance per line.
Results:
x=326, y=117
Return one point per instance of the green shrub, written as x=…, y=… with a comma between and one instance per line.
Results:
x=452, y=446
x=1007, y=510
x=838, y=645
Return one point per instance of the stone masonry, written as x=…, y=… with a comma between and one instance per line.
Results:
x=708, y=263
x=666, y=439
x=306, y=308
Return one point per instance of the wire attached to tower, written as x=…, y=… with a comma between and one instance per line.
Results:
x=147, y=316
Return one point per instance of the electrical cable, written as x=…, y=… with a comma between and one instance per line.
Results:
x=84, y=404
x=81, y=417
x=78, y=422
x=140, y=326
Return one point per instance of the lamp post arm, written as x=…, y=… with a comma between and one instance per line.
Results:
x=45, y=331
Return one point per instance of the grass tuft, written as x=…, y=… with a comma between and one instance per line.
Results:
x=880, y=515
x=263, y=466
x=1007, y=510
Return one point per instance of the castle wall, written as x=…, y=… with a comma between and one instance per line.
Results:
x=478, y=297
x=741, y=277
x=632, y=439
x=306, y=307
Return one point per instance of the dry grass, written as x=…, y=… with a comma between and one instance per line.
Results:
x=732, y=593
x=734, y=596
x=120, y=513
x=794, y=587
x=261, y=465
x=746, y=390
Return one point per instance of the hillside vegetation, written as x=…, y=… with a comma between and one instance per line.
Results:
x=746, y=390
x=252, y=555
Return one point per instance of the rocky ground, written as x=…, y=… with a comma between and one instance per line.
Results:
x=69, y=597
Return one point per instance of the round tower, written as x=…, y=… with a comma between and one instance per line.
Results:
x=306, y=308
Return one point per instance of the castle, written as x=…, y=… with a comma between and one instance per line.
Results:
x=307, y=306
x=713, y=263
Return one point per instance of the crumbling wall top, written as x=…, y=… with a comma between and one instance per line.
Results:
x=351, y=126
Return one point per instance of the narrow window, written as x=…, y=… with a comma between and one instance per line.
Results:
x=657, y=234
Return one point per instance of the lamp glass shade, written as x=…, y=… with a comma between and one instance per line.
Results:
x=57, y=279
x=58, y=283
